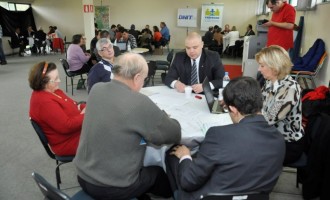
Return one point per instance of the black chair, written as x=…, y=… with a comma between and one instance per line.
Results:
x=238, y=196
x=71, y=75
x=151, y=74
x=52, y=193
x=60, y=160
x=165, y=65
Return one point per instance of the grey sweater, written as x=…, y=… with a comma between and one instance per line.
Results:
x=110, y=152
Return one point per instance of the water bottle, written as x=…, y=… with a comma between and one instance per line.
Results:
x=129, y=46
x=226, y=80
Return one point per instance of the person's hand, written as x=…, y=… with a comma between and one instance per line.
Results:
x=197, y=88
x=87, y=54
x=179, y=86
x=267, y=24
x=83, y=111
x=180, y=151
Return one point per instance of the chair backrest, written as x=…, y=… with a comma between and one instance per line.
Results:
x=320, y=64
x=50, y=192
x=170, y=56
x=310, y=60
x=152, y=66
x=42, y=137
x=66, y=68
x=238, y=196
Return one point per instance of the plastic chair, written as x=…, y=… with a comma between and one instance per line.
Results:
x=60, y=160
x=52, y=193
x=151, y=74
x=309, y=74
x=237, y=196
x=70, y=74
x=165, y=65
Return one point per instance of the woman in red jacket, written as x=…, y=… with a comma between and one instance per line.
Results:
x=58, y=115
x=157, y=37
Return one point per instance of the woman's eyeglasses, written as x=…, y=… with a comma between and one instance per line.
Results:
x=57, y=80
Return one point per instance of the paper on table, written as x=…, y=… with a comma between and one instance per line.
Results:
x=148, y=92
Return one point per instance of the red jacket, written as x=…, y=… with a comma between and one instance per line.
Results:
x=60, y=119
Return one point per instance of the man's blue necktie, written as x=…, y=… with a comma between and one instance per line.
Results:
x=194, y=79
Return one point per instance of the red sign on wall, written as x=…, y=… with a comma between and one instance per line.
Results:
x=88, y=8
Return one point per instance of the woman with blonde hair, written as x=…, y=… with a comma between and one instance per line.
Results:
x=282, y=99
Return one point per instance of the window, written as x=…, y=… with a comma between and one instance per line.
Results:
x=15, y=6
x=262, y=8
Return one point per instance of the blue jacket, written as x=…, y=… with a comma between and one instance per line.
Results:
x=310, y=60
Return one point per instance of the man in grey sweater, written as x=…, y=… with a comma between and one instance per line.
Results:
x=119, y=122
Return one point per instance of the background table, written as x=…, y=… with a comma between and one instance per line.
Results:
x=192, y=113
x=140, y=50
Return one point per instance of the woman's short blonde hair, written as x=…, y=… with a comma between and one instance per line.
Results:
x=277, y=59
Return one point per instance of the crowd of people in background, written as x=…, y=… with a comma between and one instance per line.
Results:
x=215, y=36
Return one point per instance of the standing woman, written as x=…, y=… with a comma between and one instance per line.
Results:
x=79, y=61
x=282, y=99
x=58, y=115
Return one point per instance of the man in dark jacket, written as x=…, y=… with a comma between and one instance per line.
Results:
x=17, y=40
x=193, y=65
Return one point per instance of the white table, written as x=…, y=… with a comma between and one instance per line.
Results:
x=140, y=50
x=193, y=115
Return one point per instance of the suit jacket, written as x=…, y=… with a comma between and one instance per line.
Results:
x=241, y=157
x=210, y=66
x=16, y=40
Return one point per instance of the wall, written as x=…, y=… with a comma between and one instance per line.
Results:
x=239, y=13
x=66, y=15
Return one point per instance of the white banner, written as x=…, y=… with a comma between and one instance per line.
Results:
x=187, y=17
x=212, y=14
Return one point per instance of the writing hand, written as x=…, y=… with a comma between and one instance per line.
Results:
x=179, y=86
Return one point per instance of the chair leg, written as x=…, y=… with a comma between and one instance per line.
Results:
x=305, y=82
x=66, y=84
x=71, y=85
x=313, y=82
x=58, y=175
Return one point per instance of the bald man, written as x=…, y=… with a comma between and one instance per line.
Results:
x=193, y=65
x=115, y=133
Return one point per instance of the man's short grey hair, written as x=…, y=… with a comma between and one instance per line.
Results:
x=101, y=42
x=128, y=65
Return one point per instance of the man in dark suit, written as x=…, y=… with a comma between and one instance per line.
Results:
x=193, y=65
x=17, y=40
x=242, y=157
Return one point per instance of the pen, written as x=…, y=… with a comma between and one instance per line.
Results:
x=198, y=97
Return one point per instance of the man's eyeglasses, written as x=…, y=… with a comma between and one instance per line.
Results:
x=107, y=48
